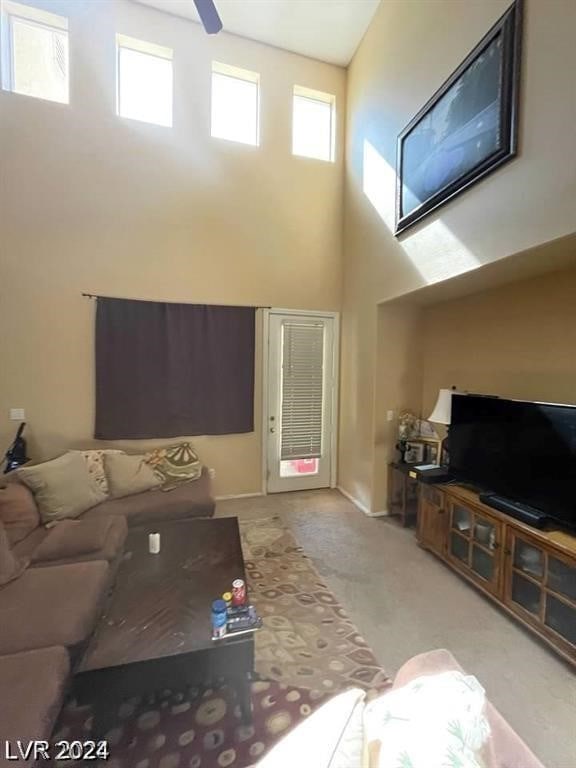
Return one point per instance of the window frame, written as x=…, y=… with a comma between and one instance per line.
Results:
x=147, y=49
x=246, y=76
x=32, y=17
x=322, y=97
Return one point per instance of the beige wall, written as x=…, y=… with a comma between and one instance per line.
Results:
x=408, y=51
x=90, y=202
x=398, y=385
x=516, y=341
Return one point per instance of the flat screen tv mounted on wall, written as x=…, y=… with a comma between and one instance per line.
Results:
x=522, y=451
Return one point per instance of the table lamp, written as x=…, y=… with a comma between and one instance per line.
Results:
x=442, y=414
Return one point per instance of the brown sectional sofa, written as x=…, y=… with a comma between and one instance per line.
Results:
x=52, y=606
x=48, y=613
x=188, y=500
x=33, y=685
x=75, y=541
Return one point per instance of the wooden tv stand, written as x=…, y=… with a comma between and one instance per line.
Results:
x=528, y=572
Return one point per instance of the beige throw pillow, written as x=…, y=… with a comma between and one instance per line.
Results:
x=62, y=487
x=10, y=566
x=128, y=474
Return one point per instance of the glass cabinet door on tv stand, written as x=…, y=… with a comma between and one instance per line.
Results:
x=475, y=544
x=540, y=587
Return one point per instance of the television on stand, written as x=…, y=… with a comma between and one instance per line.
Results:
x=520, y=456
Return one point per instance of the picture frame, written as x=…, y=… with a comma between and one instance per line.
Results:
x=423, y=451
x=425, y=429
x=467, y=130
x=414, y=452
x=433, y=451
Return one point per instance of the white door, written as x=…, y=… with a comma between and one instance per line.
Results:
x=301, y=402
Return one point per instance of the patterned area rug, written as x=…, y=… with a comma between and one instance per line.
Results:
x=193, y=730
x=306, y=651
x=307, y=639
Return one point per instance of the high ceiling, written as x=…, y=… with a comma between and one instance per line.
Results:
x=329, y=30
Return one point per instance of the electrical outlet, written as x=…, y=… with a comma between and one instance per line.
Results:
x=212, y=473
x=17, y=414
x=390, y=415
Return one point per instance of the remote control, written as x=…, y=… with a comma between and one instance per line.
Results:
x=245, y=622
x=248, y=619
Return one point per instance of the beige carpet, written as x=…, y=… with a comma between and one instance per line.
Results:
x=405, y=601
x=307, y=639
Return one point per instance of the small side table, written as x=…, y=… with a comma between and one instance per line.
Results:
x=403, y=492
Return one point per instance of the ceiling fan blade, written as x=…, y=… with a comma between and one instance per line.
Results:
x=208, y=16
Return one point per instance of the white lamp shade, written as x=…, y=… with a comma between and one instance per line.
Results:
x=442, y=413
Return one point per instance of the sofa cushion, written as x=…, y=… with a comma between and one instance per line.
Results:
x=188, y=500
x=128, y=474
x=33, y=683
x=111, y=550
x=18, y=510
x=76, y=538
x=52, y=606
x=26, y=547
x=10, y=565
x=62, y=487
x=175, y=464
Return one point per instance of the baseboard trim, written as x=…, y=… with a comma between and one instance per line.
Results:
x=229, y=496
x=380, y=513
x=361, y=507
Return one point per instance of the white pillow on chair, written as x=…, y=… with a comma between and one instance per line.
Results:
x=331, y=737
x=431, y=722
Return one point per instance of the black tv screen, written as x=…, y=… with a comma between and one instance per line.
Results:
x=521, y=450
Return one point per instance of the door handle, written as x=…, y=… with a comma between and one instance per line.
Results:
x=272, y=429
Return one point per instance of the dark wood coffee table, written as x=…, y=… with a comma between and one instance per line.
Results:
x=155, y=632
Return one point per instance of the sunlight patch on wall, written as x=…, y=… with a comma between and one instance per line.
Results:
x=438, y=254
x=433, y=250
x=379, y=184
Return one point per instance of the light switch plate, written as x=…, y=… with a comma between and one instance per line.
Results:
x=390, y=415
x=17, y=414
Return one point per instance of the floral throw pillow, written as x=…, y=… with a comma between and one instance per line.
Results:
x=175, y=464
x=95, y=463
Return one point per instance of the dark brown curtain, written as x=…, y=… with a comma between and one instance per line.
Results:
x=168, y=370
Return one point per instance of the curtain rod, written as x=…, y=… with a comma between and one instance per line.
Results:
x=96, y=296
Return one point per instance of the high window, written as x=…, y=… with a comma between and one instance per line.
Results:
x=313, y=124
x=235, y=104
x=34, y=52
x=144, y=87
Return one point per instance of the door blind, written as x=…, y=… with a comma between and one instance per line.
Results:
x=302, y=390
